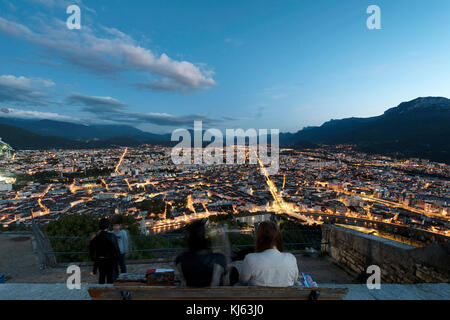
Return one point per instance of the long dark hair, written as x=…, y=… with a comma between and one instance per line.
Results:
x=268, y=236
x=196, y=237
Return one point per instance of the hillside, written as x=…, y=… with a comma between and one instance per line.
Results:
x=23, y=139
x=75, y=131
x=417, y=128
x=19, y=138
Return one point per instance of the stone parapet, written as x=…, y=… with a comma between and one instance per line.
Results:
x=399, y=262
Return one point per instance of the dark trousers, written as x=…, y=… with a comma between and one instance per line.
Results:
x=106, y=271
x=121, y=263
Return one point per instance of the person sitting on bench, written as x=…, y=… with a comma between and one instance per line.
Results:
x=199, y=266
x=268, y=266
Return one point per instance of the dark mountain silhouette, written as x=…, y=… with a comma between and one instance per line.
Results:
x=22, y=139
x=417, y=128
x=82, y=132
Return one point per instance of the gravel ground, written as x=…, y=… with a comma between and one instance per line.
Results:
x=43, y=291
x=17, y=256
x=21, y=265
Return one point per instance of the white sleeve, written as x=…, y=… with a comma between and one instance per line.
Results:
x=126, y=241
x=246, y=271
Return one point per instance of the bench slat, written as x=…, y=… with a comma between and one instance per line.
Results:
x=216, y=293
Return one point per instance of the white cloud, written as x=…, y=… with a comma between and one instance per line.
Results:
x=111, y=109
x=234, y=42
x=28, y=114
x=110, y=53
x=24, y=91
x=96, y=104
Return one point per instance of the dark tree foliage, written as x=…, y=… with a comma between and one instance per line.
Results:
x=15, y=227
x=42, y=177
x=297, y=236
x=127, y=222
x=171, y=241
x=81, y=225
x=72, y=233
x=227, y=220
x=156, y=206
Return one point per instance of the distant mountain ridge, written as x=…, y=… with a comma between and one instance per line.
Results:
x=428, y=104
x=82, y=132
x=22, y=139
x=416, y=128
x=19, y=138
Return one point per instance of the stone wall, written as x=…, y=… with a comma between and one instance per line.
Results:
x=399, y=263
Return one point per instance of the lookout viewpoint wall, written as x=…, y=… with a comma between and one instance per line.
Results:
x=399, y=263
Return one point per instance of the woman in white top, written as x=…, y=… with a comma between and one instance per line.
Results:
x=268, y=266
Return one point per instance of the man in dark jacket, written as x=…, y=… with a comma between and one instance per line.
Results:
x=104, y=251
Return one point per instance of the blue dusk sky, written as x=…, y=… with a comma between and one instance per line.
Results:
x=160, y=65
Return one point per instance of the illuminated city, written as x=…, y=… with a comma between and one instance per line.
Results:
x=311, y=186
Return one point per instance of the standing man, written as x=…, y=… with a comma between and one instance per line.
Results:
x=124, y=246
x=104, y=251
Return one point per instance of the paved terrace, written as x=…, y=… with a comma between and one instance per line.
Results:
x=26, y=281
x=59, y=291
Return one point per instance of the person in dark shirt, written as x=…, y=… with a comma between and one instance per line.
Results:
x=104, y=251
x=199, y=266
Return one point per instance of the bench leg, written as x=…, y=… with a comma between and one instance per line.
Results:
x=126, y=295
x=314, y=295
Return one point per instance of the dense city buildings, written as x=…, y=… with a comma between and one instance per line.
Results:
x=311, y=186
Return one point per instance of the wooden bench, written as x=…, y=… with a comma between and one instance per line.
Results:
x=137, y=292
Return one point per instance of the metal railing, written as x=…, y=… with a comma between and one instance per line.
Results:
x=142, y=250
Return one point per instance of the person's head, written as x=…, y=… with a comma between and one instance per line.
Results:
x=268, y=236
x=117, y=227
x=103, y=224
x=197, y=236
